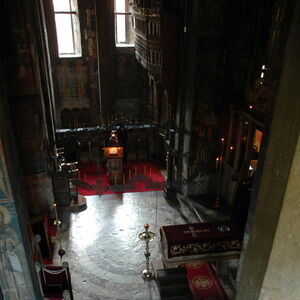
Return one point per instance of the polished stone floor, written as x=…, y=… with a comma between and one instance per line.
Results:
x=105, y=256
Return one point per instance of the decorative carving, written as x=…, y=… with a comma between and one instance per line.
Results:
x=205, y=247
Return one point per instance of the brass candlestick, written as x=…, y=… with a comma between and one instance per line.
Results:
x=147, y=236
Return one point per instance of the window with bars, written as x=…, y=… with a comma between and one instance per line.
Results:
x=67, y=28
x=124, y=35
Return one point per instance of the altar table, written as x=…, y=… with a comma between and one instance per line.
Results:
x=189, y=242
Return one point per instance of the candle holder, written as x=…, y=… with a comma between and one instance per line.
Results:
x=61, y=252
x=56, y=222
x=147, y=236
x=219, y=167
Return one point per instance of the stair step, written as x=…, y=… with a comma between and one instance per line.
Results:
x=173, y=283
x=184, y=297
x=161, y=273
x=171, y=276
x=175, y=291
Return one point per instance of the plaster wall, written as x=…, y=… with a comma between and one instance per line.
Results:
x=283, y=276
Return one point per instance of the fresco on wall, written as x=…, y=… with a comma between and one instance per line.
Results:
x=128, y=75
x=209, y=96
x=77, y=78
x=212, y=18
x=30, y=134
x=211, y=58
x=19, y=63
x=206, y=122
x=14, y=274
x=5, y=193
x=39, y=193
x=24, y=79
x=15, y=279
x=129, y=84
x=72, y=82
x=90, y=34
x=81, y=79
x=126, y=106
x=91, y=49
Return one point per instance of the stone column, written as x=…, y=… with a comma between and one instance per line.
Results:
x=105, y=47
x=186, y=96
x=269, y=267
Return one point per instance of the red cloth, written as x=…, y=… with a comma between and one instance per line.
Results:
x=144, y=176
x=203, y=281
x=200, y=238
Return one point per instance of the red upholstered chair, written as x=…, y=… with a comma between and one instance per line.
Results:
x=55, y=280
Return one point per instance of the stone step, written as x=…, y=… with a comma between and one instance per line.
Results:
x=173, y=284
x=171, y=276
x=185, y=297
x=171, y=291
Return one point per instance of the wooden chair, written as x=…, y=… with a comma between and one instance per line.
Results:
x=55, y=280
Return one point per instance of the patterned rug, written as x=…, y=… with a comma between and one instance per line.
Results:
x=204, y=283
x=138, y=176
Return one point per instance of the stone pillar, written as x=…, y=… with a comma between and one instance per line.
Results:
x=282, y=276
x=105, y=45
x=28, y=100
x=269, y=267
x=186, y=96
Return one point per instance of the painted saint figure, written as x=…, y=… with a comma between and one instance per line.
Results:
x=2, y=183
x=14, y=273
x=4, y=188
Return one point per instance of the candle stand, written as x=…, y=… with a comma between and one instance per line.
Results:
x=147, y=236
x=219, y=167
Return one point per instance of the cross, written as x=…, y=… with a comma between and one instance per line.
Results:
x=194, y=231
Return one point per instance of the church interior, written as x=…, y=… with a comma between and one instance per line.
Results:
x=149, y=149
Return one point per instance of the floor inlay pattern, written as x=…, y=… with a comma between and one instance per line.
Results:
x=105, y=256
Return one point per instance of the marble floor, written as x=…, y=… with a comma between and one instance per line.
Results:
x=105, y=256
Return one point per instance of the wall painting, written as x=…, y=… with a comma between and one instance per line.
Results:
x=15, y=279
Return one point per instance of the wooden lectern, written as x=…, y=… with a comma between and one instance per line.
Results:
x=114, y=165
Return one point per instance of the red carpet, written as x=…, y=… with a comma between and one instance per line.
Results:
x=140, y=176
x=204, y=282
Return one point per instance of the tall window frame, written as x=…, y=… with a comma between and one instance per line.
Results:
x=124, y=34
x=67, y=28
